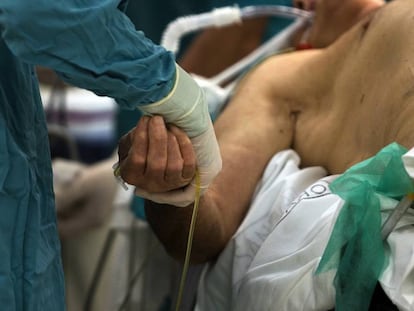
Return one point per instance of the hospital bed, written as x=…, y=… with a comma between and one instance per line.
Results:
x=120, y=275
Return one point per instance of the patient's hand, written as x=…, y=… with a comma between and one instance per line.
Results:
x=157, y=158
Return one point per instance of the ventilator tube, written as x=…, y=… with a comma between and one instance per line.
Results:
x=220, y=17
x=191, y=23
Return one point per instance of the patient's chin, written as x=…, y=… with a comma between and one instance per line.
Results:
x=333, y=18
x=308, y=5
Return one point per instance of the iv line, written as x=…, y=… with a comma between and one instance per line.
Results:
x=189, y=242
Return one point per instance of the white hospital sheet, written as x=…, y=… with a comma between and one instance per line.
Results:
x=270, y=262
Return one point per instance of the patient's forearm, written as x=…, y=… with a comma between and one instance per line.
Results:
x=221, y=210
x=250, y=131
x=172, y=224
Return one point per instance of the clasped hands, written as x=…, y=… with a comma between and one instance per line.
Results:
x=160, y=160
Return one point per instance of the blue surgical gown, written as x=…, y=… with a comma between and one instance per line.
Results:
x=91, y=44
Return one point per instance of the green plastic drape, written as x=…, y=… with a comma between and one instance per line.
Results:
x=355, y=247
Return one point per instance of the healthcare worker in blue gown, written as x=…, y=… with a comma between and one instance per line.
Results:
x=93, y=45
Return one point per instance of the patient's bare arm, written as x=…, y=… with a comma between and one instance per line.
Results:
x=254, y=126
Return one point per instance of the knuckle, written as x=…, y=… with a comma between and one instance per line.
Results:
x=171, y=137
x=129, y=178
x=186, y=143
x=155, y=167
x=140, y=135
x=138, y=160
x=176, y=166
x=189, y=164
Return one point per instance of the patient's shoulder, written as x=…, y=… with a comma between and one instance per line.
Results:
x=287, y=76
x=368, y=74
x=394, y=22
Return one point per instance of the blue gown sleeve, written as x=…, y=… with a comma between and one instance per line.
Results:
x=92, y=44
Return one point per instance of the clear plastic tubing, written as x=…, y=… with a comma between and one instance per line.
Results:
x=221, y=17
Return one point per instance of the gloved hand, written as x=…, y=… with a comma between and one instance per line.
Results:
x=186, y=108
x=84, y=195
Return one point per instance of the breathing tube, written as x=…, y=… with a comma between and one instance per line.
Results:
x=220, y=17
x=232, y=15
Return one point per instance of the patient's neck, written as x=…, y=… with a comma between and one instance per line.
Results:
x=333, y=18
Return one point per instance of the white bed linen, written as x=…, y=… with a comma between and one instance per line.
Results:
x=269, y=263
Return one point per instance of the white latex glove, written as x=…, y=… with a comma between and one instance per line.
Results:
x=216, y=96
x=186, y=108
x=84, y=195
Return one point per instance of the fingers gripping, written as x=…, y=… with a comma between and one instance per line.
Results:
x=159, y=159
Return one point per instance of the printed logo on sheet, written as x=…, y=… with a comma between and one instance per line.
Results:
x=316, y=190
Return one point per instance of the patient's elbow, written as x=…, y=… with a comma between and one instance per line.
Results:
x=172, y=226
x=207, y=245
